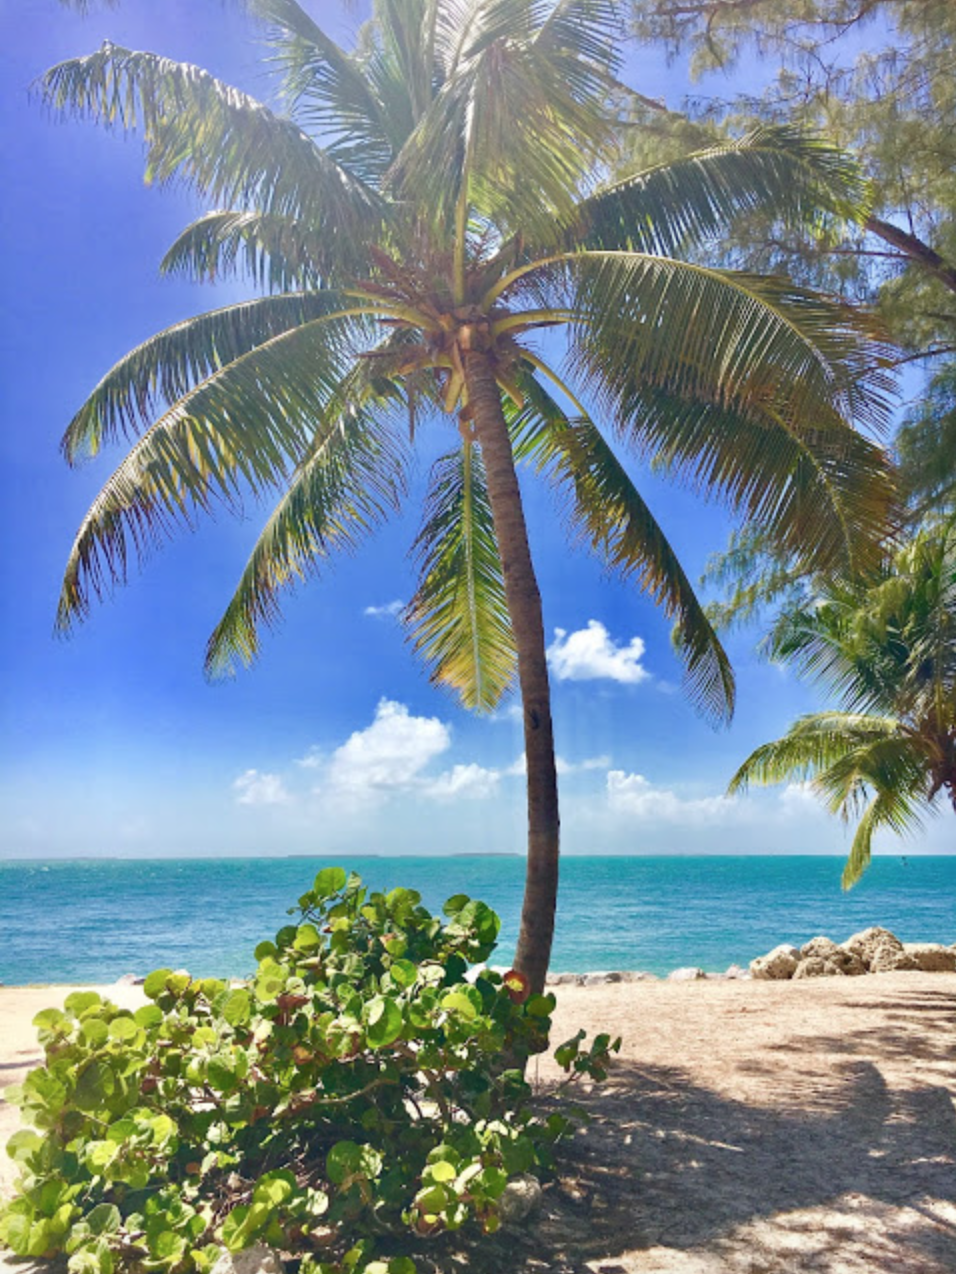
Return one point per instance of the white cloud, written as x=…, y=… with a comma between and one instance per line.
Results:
x=590, y=653
x=253, y=788
x=390, y=610
x=519, y=766
x=390, y=753
x=797, y=800
x=314, y=759
x=637, y=797
x=463, y=782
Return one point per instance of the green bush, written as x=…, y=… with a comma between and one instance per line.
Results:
x=347, y=1102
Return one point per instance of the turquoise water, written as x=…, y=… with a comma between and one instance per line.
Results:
x=95, y=919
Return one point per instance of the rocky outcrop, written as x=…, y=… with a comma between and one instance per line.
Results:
x=777, y=965
x=880, y=950
x=826, y=949
x=691, y=974
x=931, y=957
x=817, y=967
x=873, y=950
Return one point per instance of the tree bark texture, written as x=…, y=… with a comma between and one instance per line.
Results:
x=524, y=608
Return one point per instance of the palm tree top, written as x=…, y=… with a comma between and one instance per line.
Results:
x=442, y=188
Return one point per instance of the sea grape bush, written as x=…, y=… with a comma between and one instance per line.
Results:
x=346, y=1103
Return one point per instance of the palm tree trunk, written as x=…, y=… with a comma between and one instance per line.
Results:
x=524, y=608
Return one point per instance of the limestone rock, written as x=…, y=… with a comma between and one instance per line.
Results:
x=816, y=967
x=874, y=944
x=638, y=975
x=891, y=960
x=931, y=957
x=519, y=1198
x=258, y=1259
x=736, y=973
x=777, y=965
x=690, y=974
x=827, y=949
x=601, y=978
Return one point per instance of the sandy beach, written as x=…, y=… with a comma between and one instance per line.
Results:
x=801, y=1127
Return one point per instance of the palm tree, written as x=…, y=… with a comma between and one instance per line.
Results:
x=887, y=646
x=432, y=202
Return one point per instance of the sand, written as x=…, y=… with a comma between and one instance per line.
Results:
x=749, y=1128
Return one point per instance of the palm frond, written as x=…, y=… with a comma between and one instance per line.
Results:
x=277, y=253
x=458, y=616
x=509, y=134
x=332, y=92
x=241, y=428
x=729, y=336
x=351, y=479
x=895, y=809
x=672, y=207
x=811, y=746
x=227, y=145
x=620, y=528
x=167, y=366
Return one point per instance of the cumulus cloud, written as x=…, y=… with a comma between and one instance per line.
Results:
x=463, y=782
x=520, y=765
x=253, y=788
x=390, y=753
x=590, y=654
x=637, y=797
x=390, y=610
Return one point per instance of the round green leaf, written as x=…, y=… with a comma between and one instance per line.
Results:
x=95, y=1032
x=122, y=1028
x=149, y=1016
x=237, y=1008
x=384, y=1022
x=403, y=973
x=329, y=881
x=155, y=983
x=77, y=1002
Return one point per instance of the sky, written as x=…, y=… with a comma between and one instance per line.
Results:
x=113, y=743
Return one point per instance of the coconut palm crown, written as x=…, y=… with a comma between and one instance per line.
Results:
x=886, y=646
x=431, y=201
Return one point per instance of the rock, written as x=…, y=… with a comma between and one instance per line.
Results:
x=564, y=979
x=600, y=978
x=130, y=979
x=638, y=975
x=690, y=974
x=257, y=1259
x=867, y=944
x=890, y=960
x=735, y=972
x=931, y=957
x=817, y=967
x=776, y=965
x=519, y=1199
x=827, y=949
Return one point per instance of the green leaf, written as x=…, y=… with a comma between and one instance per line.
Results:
x=95, y=1032
x=237, y=1008
x=275, y=1188
x=23, y=1144
x=403, y=973
x=155, y=983
x=77, y=1002
x=329, y=881
x=123, y=1028
x=384, y=1021
x=148, y=1017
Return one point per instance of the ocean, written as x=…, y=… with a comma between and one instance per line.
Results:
x=97, y=919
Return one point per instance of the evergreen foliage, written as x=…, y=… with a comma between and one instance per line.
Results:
x=344, y=1104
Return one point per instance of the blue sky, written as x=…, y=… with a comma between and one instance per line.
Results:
x=113, y=743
